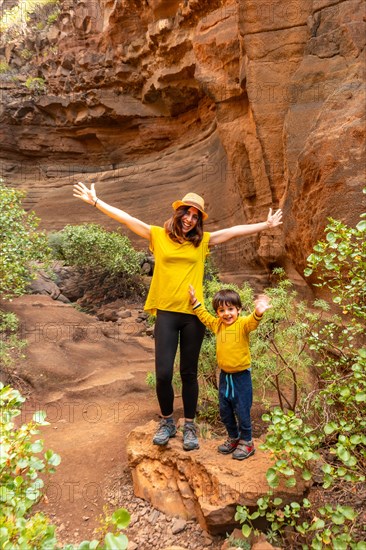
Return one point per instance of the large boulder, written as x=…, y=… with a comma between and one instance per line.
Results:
x=202, y=484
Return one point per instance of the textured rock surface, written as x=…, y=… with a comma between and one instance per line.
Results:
x=201, y=484
x=250, y=104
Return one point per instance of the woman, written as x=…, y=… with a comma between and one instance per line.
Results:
x=180, y=249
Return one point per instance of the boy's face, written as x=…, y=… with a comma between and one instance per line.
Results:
x=228, y=313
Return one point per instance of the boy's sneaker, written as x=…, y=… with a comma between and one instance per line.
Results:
x=229, y=446
x=165, y=431
x=245, y=449
x=190, y=439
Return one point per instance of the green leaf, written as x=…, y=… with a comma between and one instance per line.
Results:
x=18, y=481
x=343, y=454
x=54, y=459
x=39, y=418
x=37, y=446
x=291, y=482
x=246, y=530
x=361, y=226
x=84, y=545
x=355, y=439
x=360, y=397
x=317, y=525
x=316, y=545
x=338, y=518
x=330, y=428
x=113, y=542
x=272, y=478
x=121, y=518
x=348, y=512
x=327, y=468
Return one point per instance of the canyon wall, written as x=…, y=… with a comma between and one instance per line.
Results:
x=250, y=104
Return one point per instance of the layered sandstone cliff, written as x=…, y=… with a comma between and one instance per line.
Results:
x=250, y=104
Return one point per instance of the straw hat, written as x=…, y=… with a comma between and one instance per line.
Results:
x=191, y=199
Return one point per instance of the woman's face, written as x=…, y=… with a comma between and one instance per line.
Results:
x=189, y=219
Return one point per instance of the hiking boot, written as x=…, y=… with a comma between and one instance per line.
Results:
x=165, y=431
x=245, y=449
x=229, y=446
x=190, y=439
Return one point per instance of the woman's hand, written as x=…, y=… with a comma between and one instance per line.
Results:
x=274, y=219
x=82, y=192
x=262, y=303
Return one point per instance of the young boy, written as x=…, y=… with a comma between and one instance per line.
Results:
x=233, y=358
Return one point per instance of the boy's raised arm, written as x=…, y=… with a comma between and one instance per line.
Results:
x=199, y=309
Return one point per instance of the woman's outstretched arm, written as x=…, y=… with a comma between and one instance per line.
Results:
x=89, y=196
x=223, y=235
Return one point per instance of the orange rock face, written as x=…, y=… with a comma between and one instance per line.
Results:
x=250, y=104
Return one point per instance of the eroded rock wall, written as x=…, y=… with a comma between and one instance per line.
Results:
x=251, y=104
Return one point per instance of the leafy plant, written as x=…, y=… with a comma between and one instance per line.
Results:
x=52, y=18
x=14, y=21
x=234, y=542
x=21, y=244
x=11, y=345
x=89, y=245
x=325, y=437
x=4, y=67
x=21, y=464
x=35, y=84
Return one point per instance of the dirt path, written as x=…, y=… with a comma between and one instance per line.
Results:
x=90, y=379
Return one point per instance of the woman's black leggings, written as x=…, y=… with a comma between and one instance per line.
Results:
x=171, y=327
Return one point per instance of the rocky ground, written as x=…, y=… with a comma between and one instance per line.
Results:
x=150, y=528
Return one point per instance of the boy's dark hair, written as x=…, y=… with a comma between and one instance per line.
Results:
x=226, y=297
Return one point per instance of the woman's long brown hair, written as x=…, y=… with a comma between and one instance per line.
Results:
x=174, y=228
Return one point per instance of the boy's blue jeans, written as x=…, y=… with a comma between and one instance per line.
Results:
x=235, y=400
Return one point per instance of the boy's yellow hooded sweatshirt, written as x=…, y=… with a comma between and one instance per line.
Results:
x=232, y=342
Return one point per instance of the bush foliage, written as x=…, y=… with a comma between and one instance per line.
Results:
x=324, y=436
x=22, y=463
x=21, y=244
x=89, y=245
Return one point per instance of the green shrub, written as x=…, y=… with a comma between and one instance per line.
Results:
x=20, y=466
x=89, y=245
x=327, y=431
x=4, y=67
x=10, y=345
x=280, y=361
x=14, y=21
x=21, y=244
x=22, y=461
x=35, y=84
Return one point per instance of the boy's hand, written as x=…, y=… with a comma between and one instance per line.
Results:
x=273, y=220
x=192, y=295
x=262, y=303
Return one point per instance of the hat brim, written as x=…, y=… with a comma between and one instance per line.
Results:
x=177, y=204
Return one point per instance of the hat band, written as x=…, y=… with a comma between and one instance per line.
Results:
x=195, y=204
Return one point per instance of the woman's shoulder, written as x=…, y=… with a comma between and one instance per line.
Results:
x=157, y=230
x=206, y=237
